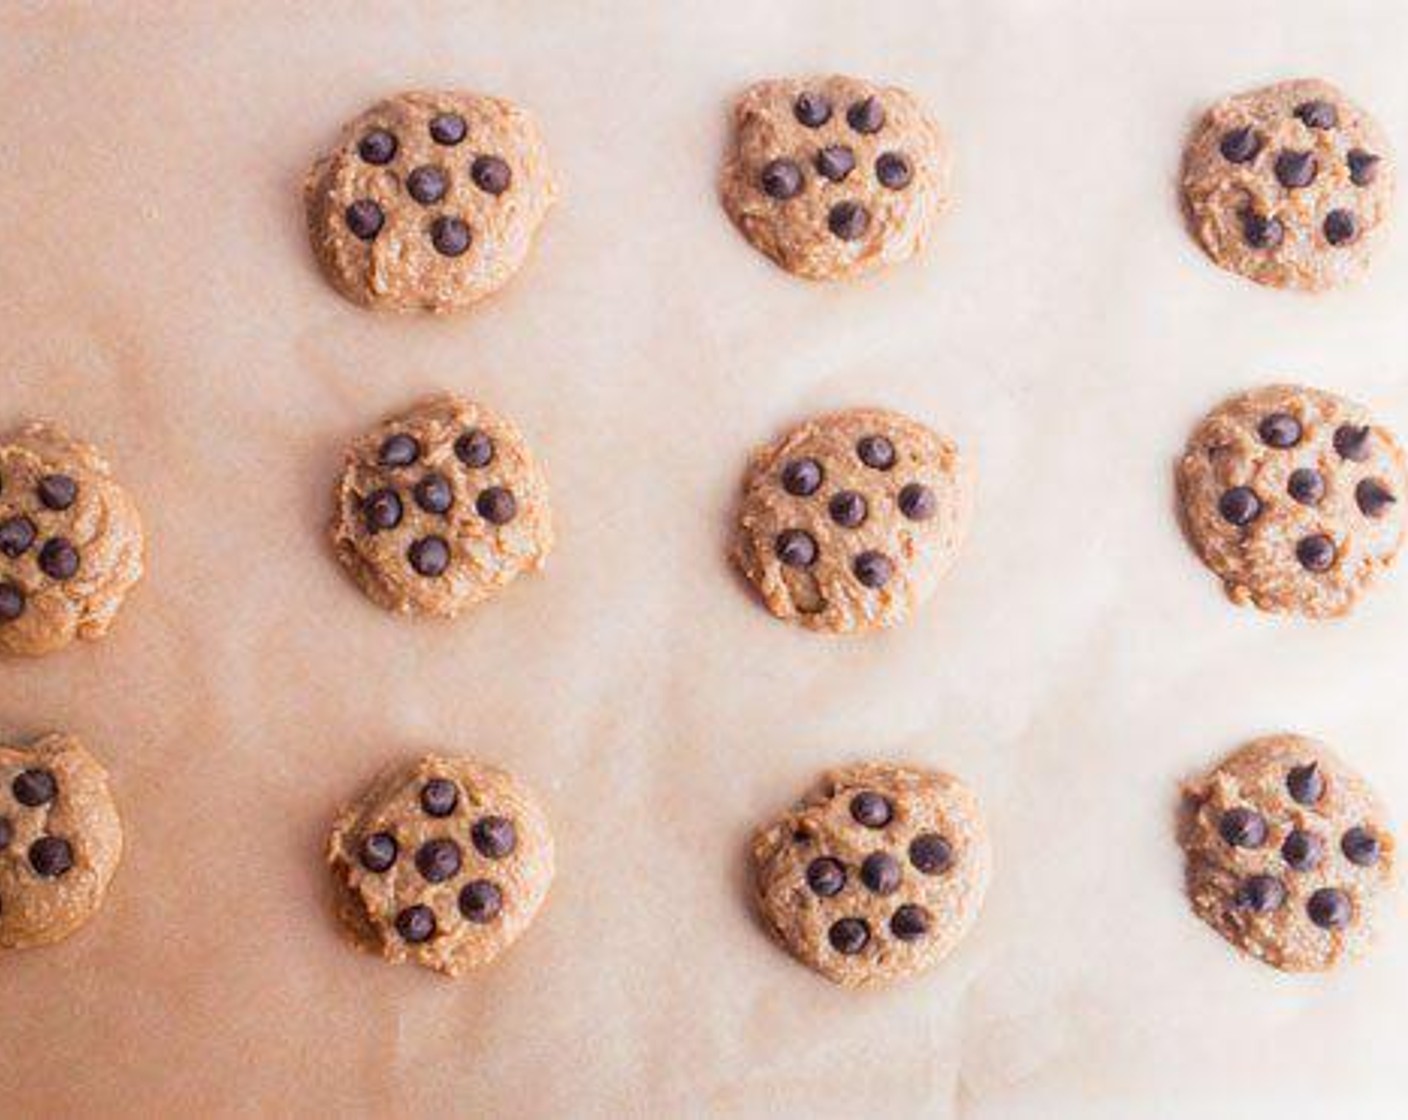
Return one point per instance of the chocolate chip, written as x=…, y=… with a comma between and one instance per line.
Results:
x=796, y=548
x=480, y=901
x=1304, y=784
x=364, y=218
x=433, y=493
x=378, y=147
x=1363, y=167
x=416, y=924
x=496, y=505
x=871, y=809
x=11, y=602
x=379, y=851
x=835, y=162
x=917, y=502
x=812, y=109
x=848, y=509
x=399, y=451
x=1295, y=169
x=438, y=797
x=57, y=491
x=848, y=220
x=1302, y=850
x=802, y=477
x=1240, y=145
x=450, y=236
x=1373, y=497
x=1316, y=553
x=930, y=853
x=494, y=837
x=1239, y=506
x=16, y=535
x=1242, y=828
x=826, y=876
x=1260, y=231
x=58, y=559
x=849, y=935
x=1317, y=114
x=7, y=832
x=1261, y=894
x=448, y=129
x=35, y=787
x=893, y=171
x=866, y=116
x=438, y=860
x=1360, y=846
x=427, y=185
x=1340, y=227
x=876, y=452
x=781, y=179
x=909, y=922
x=1329, y=908
x=873, y=569
x=491, y=174
x=881, y=873
x=1280, y=429
x=382, y=509
x=1352, y=442
x=1306, y=486
x=51, y=856
x=475, y=449
x=430, y=556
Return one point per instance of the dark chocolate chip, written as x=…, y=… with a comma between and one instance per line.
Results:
x=826, y=876
x=1373, y=497
x=849, y=935
x=448, y=128
x=848, y=220
x=835, y=162
x=379, y=851
x=802, y=477
x=873, y=569
x=1302, y=850
x=450, y=236
x=876, y=452
x=364, y=218
x=57, y=491
x=430, y=556
x=438, y=860
x=11, y=602
x=781, y=179
x=1360, y=846
x=7, y=832
x=1243, y=828
x=16, y=536
x=909, y=922
x=1280, y=429
x=438, y=797
x=871, y=809
x=1352, y=442
x=480, y=901
x=848, y=509
x=812, y=109
x=1317, y=114
x=35, y=787
x=58, y=559
x=491, y=174
x=796, y=548
x=1316, y=553
x=930, y=853
x=496, y=505
x=494, y=837
x=416, y=924
x=1240, y=145
x=1340, y=227
x=427, y=185
x=917, y=502
x=1307, y=486
x=1304, y=784
x=1260, y=231
x=433, y=493
x=1363, y=167
x=893, y=171
x=378, y=147
x=1329, y=908
x=399, y=451
x=881, y=873
x=51, y=856
x=866, y=116
x=1295, y=169
x=1261, y=894
x=382, y=509
x=1239, y=506
x=475, y=449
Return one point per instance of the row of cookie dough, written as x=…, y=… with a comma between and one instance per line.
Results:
x=875, y=874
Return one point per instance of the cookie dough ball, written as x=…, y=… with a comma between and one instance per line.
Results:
x=429, y=201
x=834, y=177
x=848, y=521
x=1293, y=497
x=876, y=874
x=70, y=542
x=444, y=862
x=60, y=840
x=1289, y=185
x=439, y=508
x=1288, y=854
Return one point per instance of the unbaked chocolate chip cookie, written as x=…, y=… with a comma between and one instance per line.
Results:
x=1289, y=185
x=440, y=507
x=70, y=542
x=876, y=874
x=60, y=840
x=444, y=862
x=849, y=520
x=1288, y=853
x=834, y=177
x=429, y=201
x=1293, y=497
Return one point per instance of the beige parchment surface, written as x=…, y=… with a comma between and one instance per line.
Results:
x=157, y=296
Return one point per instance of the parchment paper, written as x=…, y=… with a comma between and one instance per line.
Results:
x=158, y=297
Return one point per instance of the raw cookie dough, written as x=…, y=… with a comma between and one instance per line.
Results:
x=429, y=201
x=1289, y=185
x=834, y=177
x=70, y=542
x=443, y=862
x=876, y=874
x=440, y=507
x=849, y=520
x=1294, y=498
x=1288, y=853
x=60, y=840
